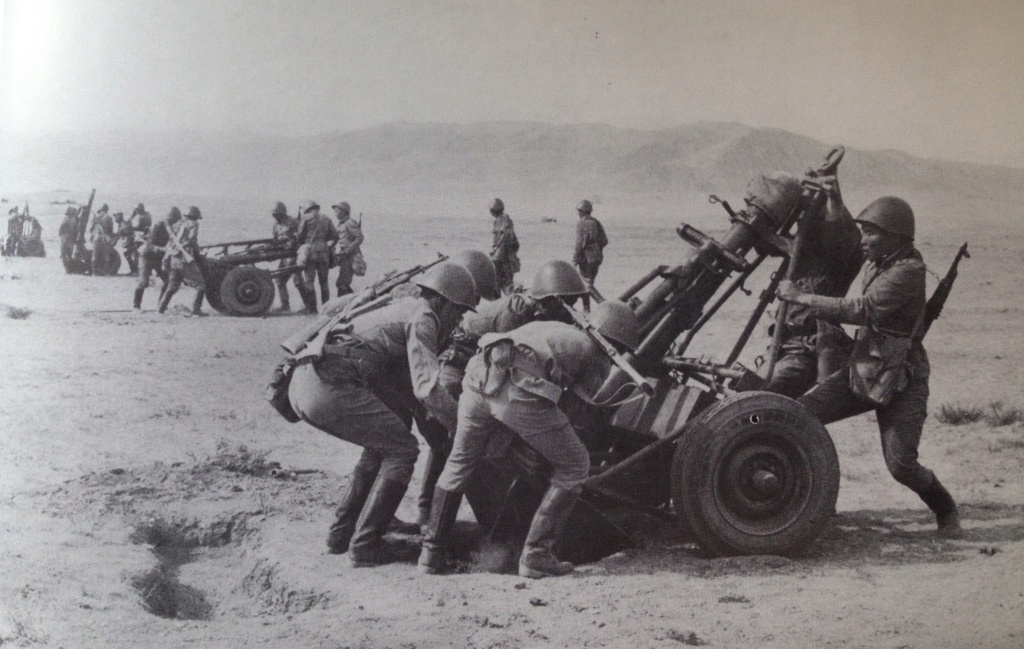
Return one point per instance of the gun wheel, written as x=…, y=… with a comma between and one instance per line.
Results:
x=756, y=475
x=247, y=291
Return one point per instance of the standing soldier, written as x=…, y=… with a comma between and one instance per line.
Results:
x=318, y=234
x=141, y=220
x=194, y=216
x=13, y=242
x=350, y=237
x=517, y=380
x=180, y=246
x=505, y=249
x=68, y=233
x=102, y=235
x=284, y=234
x=590, y=243
x=333, y=393
x=153, y=251
x=123, y=230
x=829, y=261
x=888, y=368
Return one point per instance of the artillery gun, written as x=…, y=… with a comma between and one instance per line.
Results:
x=741, y=470
x=234, y=284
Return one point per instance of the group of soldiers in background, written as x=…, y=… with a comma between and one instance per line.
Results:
x=24, y=235
x=169, y=246
x=104, y=232
x=320, y=245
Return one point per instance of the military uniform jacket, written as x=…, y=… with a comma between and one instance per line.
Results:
x=504, y=314
x=320, y=234
x=404, y=335
x=892, y=302
x=506, y=244
x=350, y=237
x=542, y=358
x=590, y=242
x=68, y=228
x=103, y=228
x=141, y=222
x=828, y=265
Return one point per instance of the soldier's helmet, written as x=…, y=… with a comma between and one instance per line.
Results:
x=140, y=208
x=557, y=278
x=891, y=214
x=309, y=206
x=175, y=213
x=452, y=282
x=103, y=208
x=279, y=209
x=585, y=206
x=343, y=207
x=616, y=321
x=497, y=207
x=118, y=216
x=481, y=267
x=776, y=194
x=193, y=213
x=70, y=211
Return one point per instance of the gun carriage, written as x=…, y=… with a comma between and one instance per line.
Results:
x=234, y=284
x=741, y=470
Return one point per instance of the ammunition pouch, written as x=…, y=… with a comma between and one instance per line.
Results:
x=276, y=392
x=878, y=365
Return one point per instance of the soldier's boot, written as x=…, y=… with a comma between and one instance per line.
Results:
x=308, y=299
x=437, y=537
x=537, y=559
x=435, y=465
x=368, y=548
x=165, y=299
x=947, y=516
x=197, y=304
x=347, y=514
x=285, y=303
x=137, y=303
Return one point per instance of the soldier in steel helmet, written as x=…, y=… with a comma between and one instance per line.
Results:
x=888, y=368
x=182, y=248
x=334, y=393
x=350, y=237
x=590, y=243
x=830, y=259
x=68, y=233
x=285, y=233
x=556, y=283
x=516, y=380
x=505, y=247
x=318, y=234
x=153, y=251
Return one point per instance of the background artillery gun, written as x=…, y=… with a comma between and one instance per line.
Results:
x=234, y=284
x=741, y=470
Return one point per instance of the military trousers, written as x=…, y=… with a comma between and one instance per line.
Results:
x=316, y=271
x=900, y=422
x=345, y=275
x=796, y=372
x=353, y=413
x=537, y=421
x=151, y=263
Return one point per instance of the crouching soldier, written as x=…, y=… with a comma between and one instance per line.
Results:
x=556, y=282
x=888, y=367
x=334, y=393
x=517, y=379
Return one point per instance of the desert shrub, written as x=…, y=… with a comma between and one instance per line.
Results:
x=18, y=313
x=955, y=414
x=1000, y=414
x=240, y=459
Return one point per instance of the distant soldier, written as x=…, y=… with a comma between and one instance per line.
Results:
x=31, y=236
x=102, y=236
x=68, y=233
x=14, y=224
x=505, y=249
x=350, y=237
x=284, y=233
x=516, y=381
x=318, y=234
x=888, y=368
x=182, y=249
x=153, y=251
x=590, y=243
x=828, y=264
x=141, y=221
x=334, y=394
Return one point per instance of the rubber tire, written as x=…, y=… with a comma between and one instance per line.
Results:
x=715, y=460
x=247, y=291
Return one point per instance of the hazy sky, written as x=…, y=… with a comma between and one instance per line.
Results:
x=939, y=79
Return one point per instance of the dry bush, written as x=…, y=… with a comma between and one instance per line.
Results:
x=240, y=459
x=955, y=414
x=18, y=313
x=1002, y=415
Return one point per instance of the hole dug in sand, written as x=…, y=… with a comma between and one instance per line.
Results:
x=175, y=544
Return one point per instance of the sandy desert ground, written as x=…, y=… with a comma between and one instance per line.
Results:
x=136, y=505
